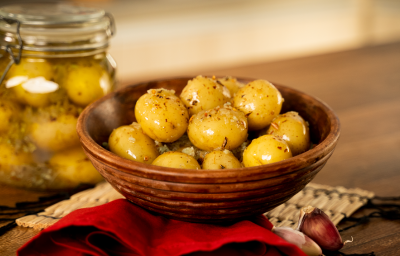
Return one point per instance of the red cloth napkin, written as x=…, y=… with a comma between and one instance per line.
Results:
x=122, y=228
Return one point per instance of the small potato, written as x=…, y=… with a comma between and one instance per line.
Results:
x=11, y=157
x=32, y=99
x=231, y=83
x=162, y=115
x=30, y=68
x=204, y=93
x=12, y=160
x=64, y=66
x=183, y=145
x=265, y=150
x=132, y=143
x=175, y=159
x=260, y=101
x=84, y=84
x=55, y=134
x=293, y=129
x=72, y=165
x=8, y=111
x=220, y=160
x=16, y=166
x=218, y=128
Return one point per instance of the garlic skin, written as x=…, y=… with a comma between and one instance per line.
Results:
x=306, y=244
x=316, y=224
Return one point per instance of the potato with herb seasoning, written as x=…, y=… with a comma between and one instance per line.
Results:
x=265, y=150
x=231, y=83
x=293, y=129
x=260, y=101
x=220, y=160
x=202, y=93
x=162, y=115
x=130, y=142
x=218, y=128
x=176, y=159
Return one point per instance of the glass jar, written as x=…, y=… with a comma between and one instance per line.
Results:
x=54, y=62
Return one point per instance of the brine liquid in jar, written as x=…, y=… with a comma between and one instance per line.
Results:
x=54, y=63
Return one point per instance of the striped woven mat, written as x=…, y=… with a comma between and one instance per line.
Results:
x=336, y=202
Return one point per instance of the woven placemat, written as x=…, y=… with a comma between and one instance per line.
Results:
x=336, y=202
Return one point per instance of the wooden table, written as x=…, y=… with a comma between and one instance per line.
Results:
x=363, y=87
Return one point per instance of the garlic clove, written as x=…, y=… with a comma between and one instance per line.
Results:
x=316, y=224
x=16, y=80
x=40, y=85
x=306, y=244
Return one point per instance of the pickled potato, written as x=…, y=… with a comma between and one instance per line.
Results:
x=132, y=143
x=8, y=111
x=220, y=160
x=203, y=93
x=218, y=128
x=175, y=159
x=265, y=150
x=84, y=84
x=30, y=68
x=55, y=134
x=32, y=99
x=293, y=129
x=260, y=101
x=73, y=166
x=231, y=83
x=162, y=115
x=11, y=157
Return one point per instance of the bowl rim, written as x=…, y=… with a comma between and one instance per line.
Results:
x=203, y=176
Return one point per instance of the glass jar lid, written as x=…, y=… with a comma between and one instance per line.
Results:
x=54, y=27
x=50, y=14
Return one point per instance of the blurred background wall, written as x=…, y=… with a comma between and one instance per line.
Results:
x=164, y=38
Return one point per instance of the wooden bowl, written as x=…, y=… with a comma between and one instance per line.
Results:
x=205, y=195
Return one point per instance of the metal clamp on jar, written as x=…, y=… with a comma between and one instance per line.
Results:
x=53, y=63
